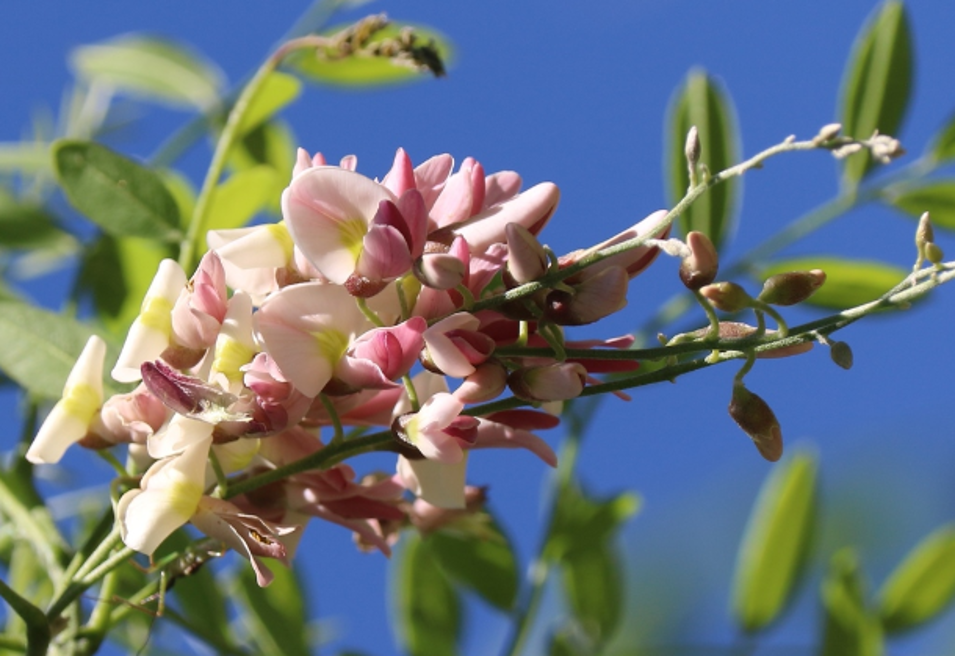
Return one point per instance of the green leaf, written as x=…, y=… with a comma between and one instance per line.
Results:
x=124, y=198
x=943, y=148
x=922, y=585
x=703, y=103
x=936, y=197
x=362, y=70
x=426, y=604
x=271, y=144
x=277, y=91
x=582, y=522
x=482, y=560
x=849, y=629
x=151, y=68
x=849, y=282
x=276, y=615
x=593, y=585
x=876, y=83
x=182, y=191
x=27, y=225
x=41, y=348
x=25, y=157
x=241, y=196
x=776, y=543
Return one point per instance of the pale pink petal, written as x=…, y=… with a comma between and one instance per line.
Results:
x=495, y=435
x=531, y=210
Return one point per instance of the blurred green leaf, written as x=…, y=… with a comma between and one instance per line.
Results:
x=943, y=147
x=25, y=157
x=922, y=585
x=482, y=561
x=849, y=282
x=272, y=144
x=36, y=626
x=936, y=197
x=849, y=629
x=124, y=198
x=151, y=68
x=278, y=90
x=27, y=225
x=776, y=543
x=41, y=348
x=876, y=83
x=593, y=585
x=581, y=522
x=240, y=197
x=276, y=615
x=702, y=102
x=364, y=70
x=182, y=191
x=426, y=604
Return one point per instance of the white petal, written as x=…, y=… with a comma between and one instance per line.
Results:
x=437, y=483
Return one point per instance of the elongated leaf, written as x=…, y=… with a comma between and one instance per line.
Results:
x=876, y=83
x=276, y=615
x=26, y=157
x=151, y=68
x=849, y=629
x=776, y=543
x=703, y=103
x=26, y=225
x=593, y=585
x=582, y=522
x=482, y=561
x=362, y=70
x=278, y=90
x=943, y=147
x=241, y=196
x=922, y=585
x=937, y=198
x=426, y=604
x=41, y=348
x=124, y=198
x=849, y=282
x=182, y=191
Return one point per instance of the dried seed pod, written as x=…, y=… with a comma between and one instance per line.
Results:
x=755, y=418
x=841, y=354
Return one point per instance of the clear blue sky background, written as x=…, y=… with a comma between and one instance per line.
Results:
x=576, y=93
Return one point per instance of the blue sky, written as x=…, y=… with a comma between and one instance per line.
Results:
x=577, y=95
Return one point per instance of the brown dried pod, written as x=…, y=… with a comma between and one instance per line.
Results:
x=755, y=418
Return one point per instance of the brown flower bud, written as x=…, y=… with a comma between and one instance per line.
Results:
x=700, y=267
x=841, y=354
x=755, y=418
x=792, y=287
x=727, y=296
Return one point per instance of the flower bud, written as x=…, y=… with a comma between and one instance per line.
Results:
x=755, y=418
x=593, y=299
x=924, y=231
x=933, y=253
x=527, y=259
x=792, y=287
x=553, y=382
x=727, y=296
x=692, y=148
x=841, y=354
x=700, y=267
x=485, y=384
x=885, y=148
x=827, y=132
x=440, y=270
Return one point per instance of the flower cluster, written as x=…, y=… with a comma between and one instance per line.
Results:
x=356, y=310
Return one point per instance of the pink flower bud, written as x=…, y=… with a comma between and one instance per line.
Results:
x=527, y=260
x=755, y=418
x=727, y=296
x=553, y=382
x=593, y=299
x=792, y=287
x=485, y=384
x=700, y=267
x=440, y=270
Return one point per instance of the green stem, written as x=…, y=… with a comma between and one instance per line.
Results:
x=36, y=526
x=38, y=626
x=411, y=392
x=369, y=313
x=337, y=434
x=222, y=483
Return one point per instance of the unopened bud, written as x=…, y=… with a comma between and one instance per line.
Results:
x=848, y=149
x=553, y=382
x=755, y=418
x=485, y=384
x=593, y=299
x=924, y=231
x=841, y=354
x=933, y=253
x=700, y=267
x=692, y=148
x=527, y=259
x=827, y=132
x=885, y=148
x=727, y=296
x=792, y=287
x=439, y=270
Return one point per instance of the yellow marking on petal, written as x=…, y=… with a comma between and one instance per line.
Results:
x=332, y=344
x=182, y=497
x=230, y=355
x=411, y=429
x=351, y=234
x=157, y=313
x=280, y=233
x=81, y=402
